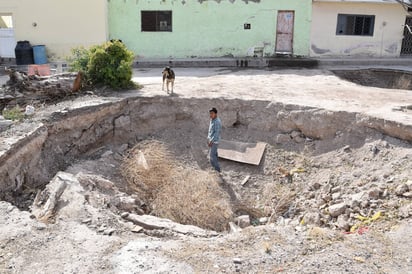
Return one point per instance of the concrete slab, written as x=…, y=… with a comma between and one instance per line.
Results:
x=248, y=153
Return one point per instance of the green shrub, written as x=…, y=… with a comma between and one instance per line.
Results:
x=109, y=64
x=14, y=114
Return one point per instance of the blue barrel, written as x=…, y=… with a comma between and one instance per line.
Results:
x=24, y=53
x=39, y=53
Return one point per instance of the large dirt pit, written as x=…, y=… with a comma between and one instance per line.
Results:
x=329, y=182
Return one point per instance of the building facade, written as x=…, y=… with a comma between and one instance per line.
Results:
x=59, y=25
x=211, y=28
x=367, y=28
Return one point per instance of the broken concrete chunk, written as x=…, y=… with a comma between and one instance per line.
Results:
x=311, y=218
x=337, y=209
x=109, y=231
x=152, y=222
x=374, y=193
x=405, y=211
x=295, y=134
x=243, y=221
x=45, y=203
x=244, y=182
x=233, y=228
x=407, y=194
x=137, y=229
x=401, y=189
x=343, y=222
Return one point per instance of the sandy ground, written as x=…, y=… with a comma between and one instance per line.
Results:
x=317, y=88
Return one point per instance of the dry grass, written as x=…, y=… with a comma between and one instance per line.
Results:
x=182, y=194
x=277, y=199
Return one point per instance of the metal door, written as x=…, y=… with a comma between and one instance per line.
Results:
x=7, y=43
x=284, y=32
x=406, y=48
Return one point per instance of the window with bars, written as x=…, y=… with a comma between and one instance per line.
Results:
x=156, y=20
x=350, y=24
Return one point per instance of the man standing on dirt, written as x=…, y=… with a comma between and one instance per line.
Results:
x=213, y=137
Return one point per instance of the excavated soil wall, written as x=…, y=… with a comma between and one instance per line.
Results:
x=69, y=135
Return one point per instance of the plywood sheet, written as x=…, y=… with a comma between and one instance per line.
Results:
x=249, y=153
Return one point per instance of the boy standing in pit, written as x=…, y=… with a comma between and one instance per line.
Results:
x=213, y=137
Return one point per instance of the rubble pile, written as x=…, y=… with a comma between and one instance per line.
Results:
x=22, y=89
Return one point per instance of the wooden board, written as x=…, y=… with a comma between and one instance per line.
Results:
x=249, y=153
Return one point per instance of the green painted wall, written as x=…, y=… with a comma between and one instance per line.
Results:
x=208, y=28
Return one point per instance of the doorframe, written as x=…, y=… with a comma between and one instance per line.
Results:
x=13, y=31
x=404, y=29
x=276, y=32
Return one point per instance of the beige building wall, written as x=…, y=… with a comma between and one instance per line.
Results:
x=385, y=42
x=58, y=24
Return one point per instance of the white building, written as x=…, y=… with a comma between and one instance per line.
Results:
x=359, y=28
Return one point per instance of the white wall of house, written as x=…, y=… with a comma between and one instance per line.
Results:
x=59, y=25
x=385, y=42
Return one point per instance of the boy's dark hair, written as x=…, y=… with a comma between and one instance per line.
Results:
x=213, y=110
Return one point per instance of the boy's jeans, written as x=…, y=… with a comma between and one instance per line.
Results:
x=213, y=157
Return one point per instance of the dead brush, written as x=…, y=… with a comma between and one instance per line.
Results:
x=147, y=167
x=194, y=197
x=278, y=199
x=176, y=192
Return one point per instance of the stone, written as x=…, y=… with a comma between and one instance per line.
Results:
x=125, y=203
x=337, y=209
x=263, y=220
x=343, y=222
x=316, y=186
x=124, y=214
x=407, y=194
x=405, y=211
x=299, y=139
x=374, y=193
x=237, y=260
x=243, y=221
x=109, y=231
x=401, y=189
x=10, y=208
x=311, y=218
x=336, y=195
x=41, y=226
x=409, y=184
x=4, y=124
x=29, y=111
x=87, y=221
x=356, y=199
x=233, y=228
x=137, y=229
x=346, y=148
x=295, y=134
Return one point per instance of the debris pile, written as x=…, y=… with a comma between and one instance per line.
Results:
x=175, y=191
x=23, y=89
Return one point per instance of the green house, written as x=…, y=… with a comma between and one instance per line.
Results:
x=211, y=28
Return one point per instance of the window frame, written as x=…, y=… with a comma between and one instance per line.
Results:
x=148, y=17
x=343, y=24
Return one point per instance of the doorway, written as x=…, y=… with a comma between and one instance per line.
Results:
x=7, y=40
x=284, y=32
x=406, y=48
